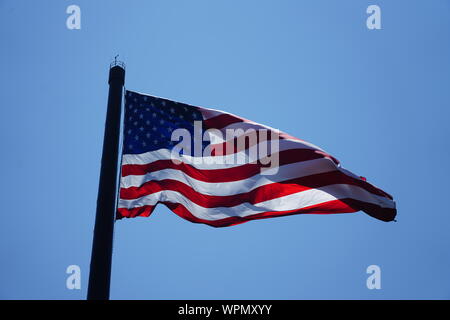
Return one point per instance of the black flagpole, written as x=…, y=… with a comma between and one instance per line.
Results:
x=100, y=272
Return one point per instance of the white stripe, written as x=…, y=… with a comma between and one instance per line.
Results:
x=210, y=162
x=286, y=172
x=256, y=126
x=290, y=202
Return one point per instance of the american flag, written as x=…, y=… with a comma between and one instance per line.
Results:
x=307, y=180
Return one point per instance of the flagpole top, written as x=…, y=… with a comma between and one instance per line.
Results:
x=117, y=71
x=117, y=63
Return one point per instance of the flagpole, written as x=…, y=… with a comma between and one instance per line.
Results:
x=100, y=269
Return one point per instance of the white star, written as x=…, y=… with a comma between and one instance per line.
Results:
x=155, y=141
x=144, y=144
x=129, y=131
x=154, y=115
x=147, y=135
x=161, y=121
x=136, y=137
x=147, y=122
x=135, y=123
x=172, y=110
x=141, y=116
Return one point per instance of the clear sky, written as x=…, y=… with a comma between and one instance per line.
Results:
x=378, y=100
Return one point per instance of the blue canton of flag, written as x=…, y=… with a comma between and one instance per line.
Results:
x=149, y=122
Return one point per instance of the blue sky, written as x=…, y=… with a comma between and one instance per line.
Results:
x=375, y=99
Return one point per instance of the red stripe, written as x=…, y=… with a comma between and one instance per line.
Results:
x=224, y=120
x=330, y=207
x=257, y=195
x=144, y=211
x=221, y=121
x=232, y=146
x=220, y=175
